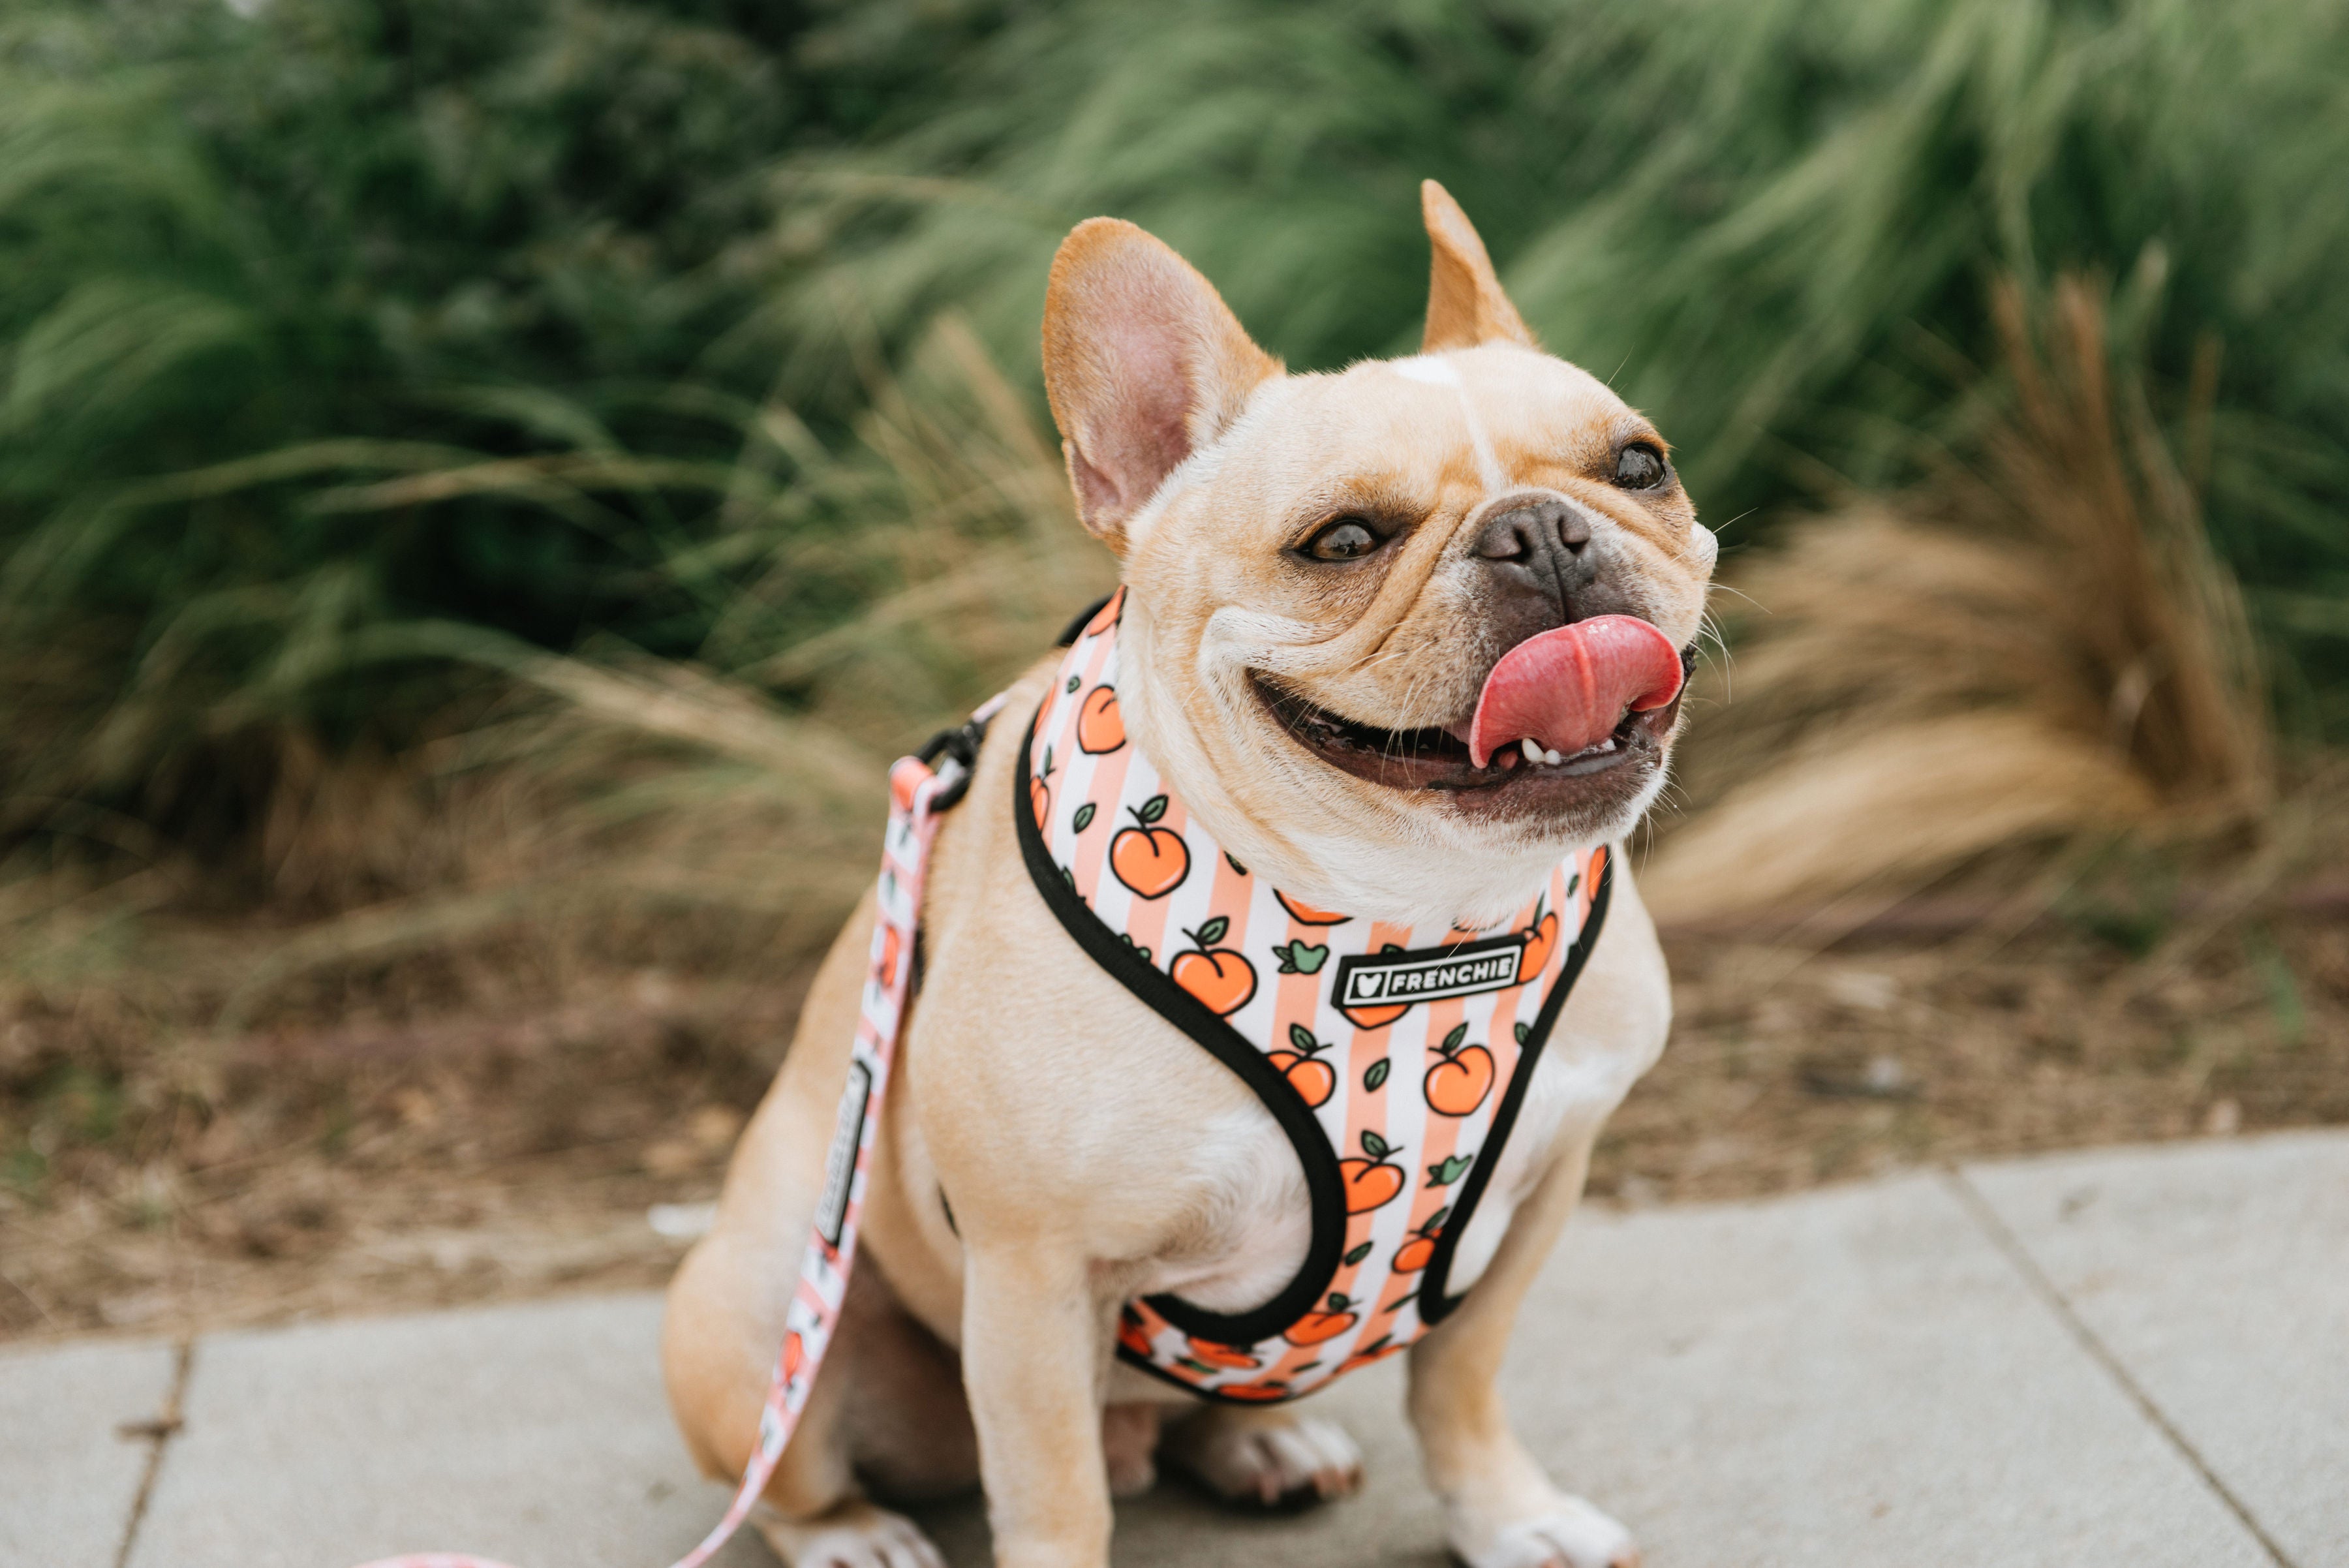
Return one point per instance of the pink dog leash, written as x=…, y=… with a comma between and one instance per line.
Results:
x=918, y=794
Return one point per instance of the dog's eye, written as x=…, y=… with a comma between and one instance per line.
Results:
x=1639, y=467
x=1347, y=539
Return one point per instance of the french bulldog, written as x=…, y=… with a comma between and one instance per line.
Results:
x=1347, y=641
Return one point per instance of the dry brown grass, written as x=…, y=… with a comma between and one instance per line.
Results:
x=2039, y=647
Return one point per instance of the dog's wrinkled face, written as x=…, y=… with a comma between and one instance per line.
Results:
x=1323, y=572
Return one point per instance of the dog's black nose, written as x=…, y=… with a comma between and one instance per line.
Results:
x=1525, y=532
x=1539, y=556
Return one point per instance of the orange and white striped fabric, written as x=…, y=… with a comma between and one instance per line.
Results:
x=1394, y=1056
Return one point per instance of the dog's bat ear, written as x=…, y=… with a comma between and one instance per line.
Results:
x=1144, y=363
x=1465, y=306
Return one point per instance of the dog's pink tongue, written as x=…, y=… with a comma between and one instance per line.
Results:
x=1568, y=688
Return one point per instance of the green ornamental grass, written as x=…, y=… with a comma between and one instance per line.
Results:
x=568, y=322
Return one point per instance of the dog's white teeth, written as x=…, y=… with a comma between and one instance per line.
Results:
x=1552, y=758
x=1533, y=752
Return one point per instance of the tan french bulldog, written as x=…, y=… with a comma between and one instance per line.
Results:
x=1323, y=575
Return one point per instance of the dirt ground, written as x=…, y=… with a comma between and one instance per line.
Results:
x=158, y=1177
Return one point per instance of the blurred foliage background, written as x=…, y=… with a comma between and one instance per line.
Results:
x=484, y=487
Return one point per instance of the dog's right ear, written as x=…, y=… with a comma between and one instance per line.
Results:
x=1144, y=363
x=1465, y=306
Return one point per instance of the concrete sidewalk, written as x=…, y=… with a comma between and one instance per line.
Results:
x=2134, y=1357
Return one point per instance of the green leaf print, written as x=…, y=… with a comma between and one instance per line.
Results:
x=1450, y=1171
x=1296, y=957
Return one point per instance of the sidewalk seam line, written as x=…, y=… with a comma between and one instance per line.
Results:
x=166, y=1425
x=2018, y=1256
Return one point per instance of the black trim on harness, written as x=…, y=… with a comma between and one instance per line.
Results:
x=1435, y=1306
x=1324, y=1182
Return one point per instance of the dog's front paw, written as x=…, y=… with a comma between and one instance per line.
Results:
x=854, y=1535
x=1266, y=1456
x=1574, y=1534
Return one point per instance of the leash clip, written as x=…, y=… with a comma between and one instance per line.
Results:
x=962, y=745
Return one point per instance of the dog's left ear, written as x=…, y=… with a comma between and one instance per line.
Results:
x=1144, y=363
x=1465, y=306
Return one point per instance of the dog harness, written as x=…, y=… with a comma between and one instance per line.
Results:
x=1395, y=1057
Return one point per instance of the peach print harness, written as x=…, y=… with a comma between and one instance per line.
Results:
x=1393, y=1056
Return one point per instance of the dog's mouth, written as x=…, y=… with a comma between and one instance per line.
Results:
x=1518, y=779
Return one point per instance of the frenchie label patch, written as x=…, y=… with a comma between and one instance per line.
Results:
x=1429, y=974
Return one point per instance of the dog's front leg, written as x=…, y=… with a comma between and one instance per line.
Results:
x=1500, y=1508
x=1033, y=1334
